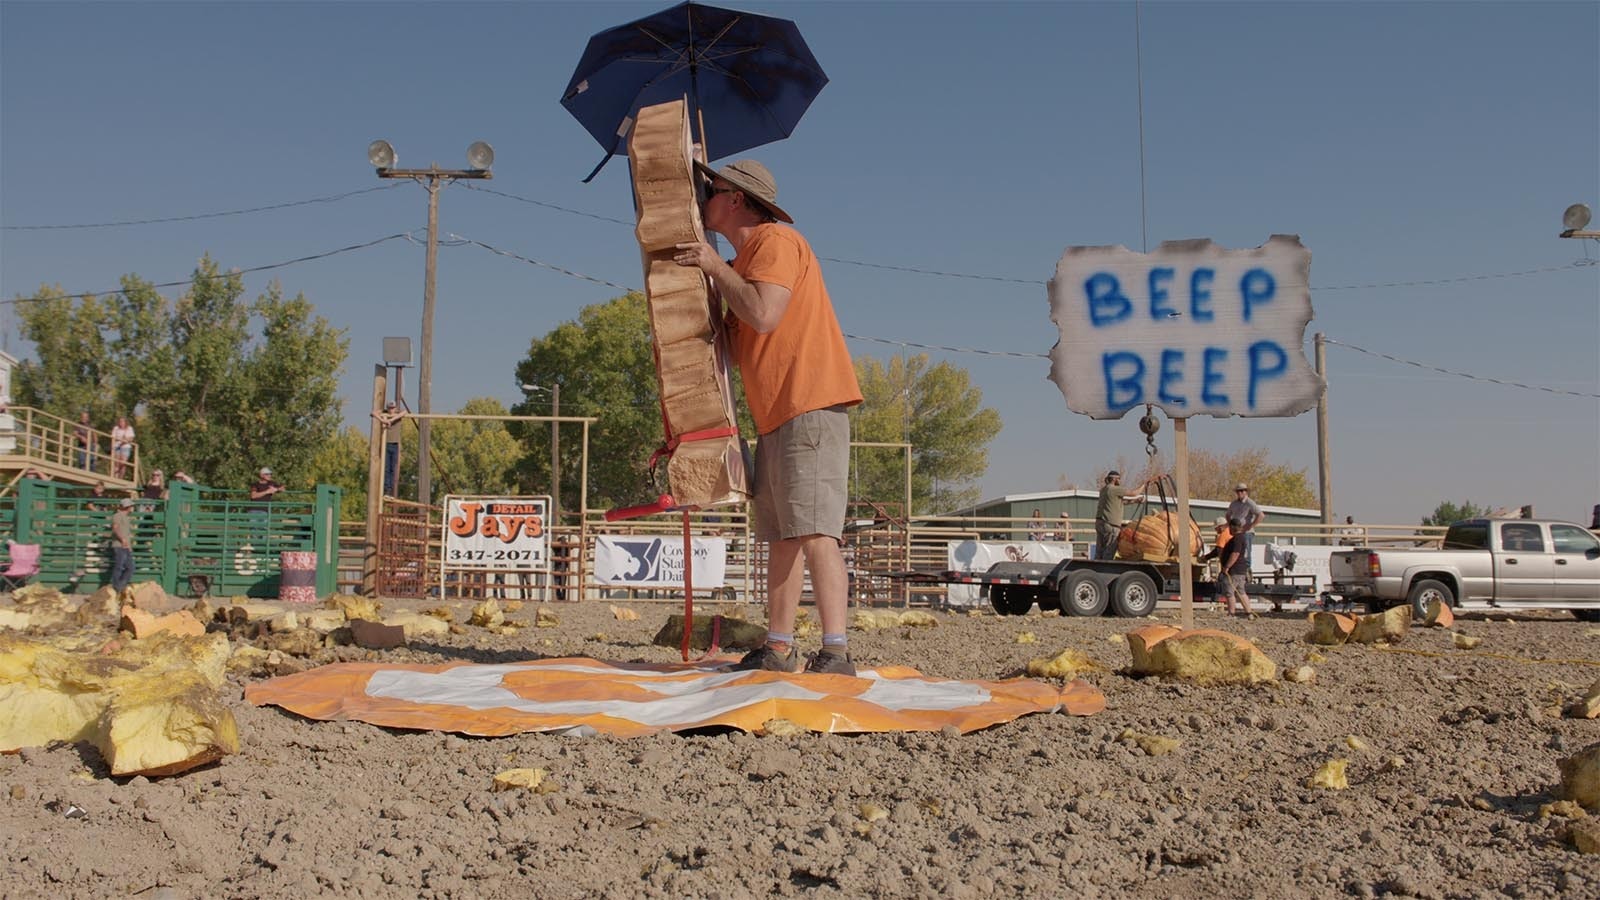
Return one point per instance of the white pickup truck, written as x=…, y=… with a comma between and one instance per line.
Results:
x=1482, y=564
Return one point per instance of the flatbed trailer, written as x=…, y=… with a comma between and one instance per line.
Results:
x=1092, y=587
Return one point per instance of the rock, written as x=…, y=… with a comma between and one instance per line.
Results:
x=15, y=619
x=1355, y=743
x=416, y=627
x=247, y=659
x=152, y=707
x=251, y=611
x=1152, y=744
x=302, y=642
x=288, y=620
x=376, y=636
x=1330, y=629
x=536, y=780
x=734, y=634
x=1387, y=627
x=1463, y=642
x=1203, y=655
x=872, y=812
x=486, y=614
x=1585, y=836
x=1580, y=778
x=874, y=620
x=1565, y=809
x=545, y=618
x=1026, y=637
x=916, y=618
x=1439, y=614
x=1587, y=706
x=102, y=606
x=1300, y=675
x=624, y=615
x=322, y=621
x=148, y=596
x=781, y=728
x=1068, y=664
x=1330, y=776
x=354, y=607
x=143, y=624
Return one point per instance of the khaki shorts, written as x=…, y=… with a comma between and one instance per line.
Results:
x=801, y=474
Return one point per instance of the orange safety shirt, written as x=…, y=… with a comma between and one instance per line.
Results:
x=803, y=364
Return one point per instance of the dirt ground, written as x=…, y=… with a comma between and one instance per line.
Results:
x=1460, y=752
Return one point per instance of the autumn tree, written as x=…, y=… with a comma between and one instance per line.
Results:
x=1447, y=513
x=1212, y=476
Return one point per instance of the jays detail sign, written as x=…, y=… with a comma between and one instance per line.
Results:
x=496, y=533
x=1193, y=328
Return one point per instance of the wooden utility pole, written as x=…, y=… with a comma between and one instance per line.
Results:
x=369, y=549
x=1185, y=585
x=1324, y=474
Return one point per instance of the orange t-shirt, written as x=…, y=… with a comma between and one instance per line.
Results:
x=803, y=364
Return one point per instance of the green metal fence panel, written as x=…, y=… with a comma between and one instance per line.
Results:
x=197, y=540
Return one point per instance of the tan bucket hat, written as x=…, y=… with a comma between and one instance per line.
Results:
x=754, y=179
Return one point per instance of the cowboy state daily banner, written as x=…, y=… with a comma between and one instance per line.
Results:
x=657, y=561
x=586, y=696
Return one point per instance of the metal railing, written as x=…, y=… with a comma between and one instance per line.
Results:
x=34, y=438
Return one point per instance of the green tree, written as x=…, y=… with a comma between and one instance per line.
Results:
x=1447, y=513
x=936, y=409
x=473, y=456
x=342, y=461
x=606, y=368
x=207, y=392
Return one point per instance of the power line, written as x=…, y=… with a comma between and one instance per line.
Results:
x=332, y=198
x=185, y=283
x=576, y=212
x=1500, y=381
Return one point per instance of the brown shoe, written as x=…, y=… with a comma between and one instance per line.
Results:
x=826, y=662
x=766, y=659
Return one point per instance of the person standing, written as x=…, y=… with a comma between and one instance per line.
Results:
x=156, y=487
x=121, y=447
x=1350, y=534
x=1235, y=569
x=122, y=545
x=798, y=382
x=1036, y=530
x=83, y=441
x=1108, y=514
x=264, y=488
x=1247, y=511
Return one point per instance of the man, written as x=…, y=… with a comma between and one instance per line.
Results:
x=1235, y=569
x=798, y=382
x=264, y=488
x=1108, y=514
x=1350, y=535
x=122, y=545
x=1247, y=511
x=83, y=440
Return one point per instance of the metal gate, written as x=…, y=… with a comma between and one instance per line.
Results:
x=406, y=565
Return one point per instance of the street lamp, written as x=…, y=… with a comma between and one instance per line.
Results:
x=480, y=156
x=1575, y=220
x=554, y=391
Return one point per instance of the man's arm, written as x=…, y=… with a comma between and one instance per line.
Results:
x=758, y=304
x=262, y=494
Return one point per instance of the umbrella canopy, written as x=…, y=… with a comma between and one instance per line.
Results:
x=748, y=78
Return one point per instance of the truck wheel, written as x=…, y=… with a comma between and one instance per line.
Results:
x=1425, y=592
x=1010, y=599
x=1133, y=595
x=1587, y=615
x=1084, y=595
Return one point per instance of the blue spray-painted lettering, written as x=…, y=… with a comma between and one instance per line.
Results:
x=1171, y=372
x=1124, y=388
x=1200, y=295
x=1267, y=361
x=1256, y=286
x=1160, y=277
x=1107, y=304
x=1212, y=376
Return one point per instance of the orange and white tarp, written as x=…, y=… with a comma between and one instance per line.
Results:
x=586, y=696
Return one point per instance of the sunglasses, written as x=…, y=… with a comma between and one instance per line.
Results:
x=713, y=190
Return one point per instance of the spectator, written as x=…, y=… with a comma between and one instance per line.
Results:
x=1236, y=568
x=35, y=474
x=1036, y=530
x=1247, y=511
x=1350, y=533
x=122, y=545
x=121, y=447
x=183, y=476
x=98, y=496
x=1065, y=532
x=83, y=441
x=264, y=488
x=156, y=487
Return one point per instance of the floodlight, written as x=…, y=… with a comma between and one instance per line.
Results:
x=381, y=155
x=397, y=351
x=480, y=155
x=1576, y=217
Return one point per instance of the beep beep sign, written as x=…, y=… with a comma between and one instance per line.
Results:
x=1193, y=328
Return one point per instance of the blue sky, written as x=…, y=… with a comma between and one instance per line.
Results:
x=1422, y=143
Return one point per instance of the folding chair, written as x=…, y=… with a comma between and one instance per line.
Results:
x=24, y=565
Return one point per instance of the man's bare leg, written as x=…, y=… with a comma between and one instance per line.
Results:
x=785, y=580
x=830, y=583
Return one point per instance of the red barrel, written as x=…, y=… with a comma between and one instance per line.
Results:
x=297, y=581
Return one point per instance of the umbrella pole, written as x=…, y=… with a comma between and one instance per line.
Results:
x=700, y=117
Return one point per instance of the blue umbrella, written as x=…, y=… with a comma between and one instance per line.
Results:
x=748, y=78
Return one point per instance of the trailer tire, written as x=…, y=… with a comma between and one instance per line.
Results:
x=1133, y=595
x=1587, y=615
x=1426, y=591
x=1010, y=599
x=1084, y=594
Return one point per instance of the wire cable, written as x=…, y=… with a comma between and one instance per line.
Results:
x=333, y=198
x=576, y=212
x=1500, y=381
x=166, y=284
